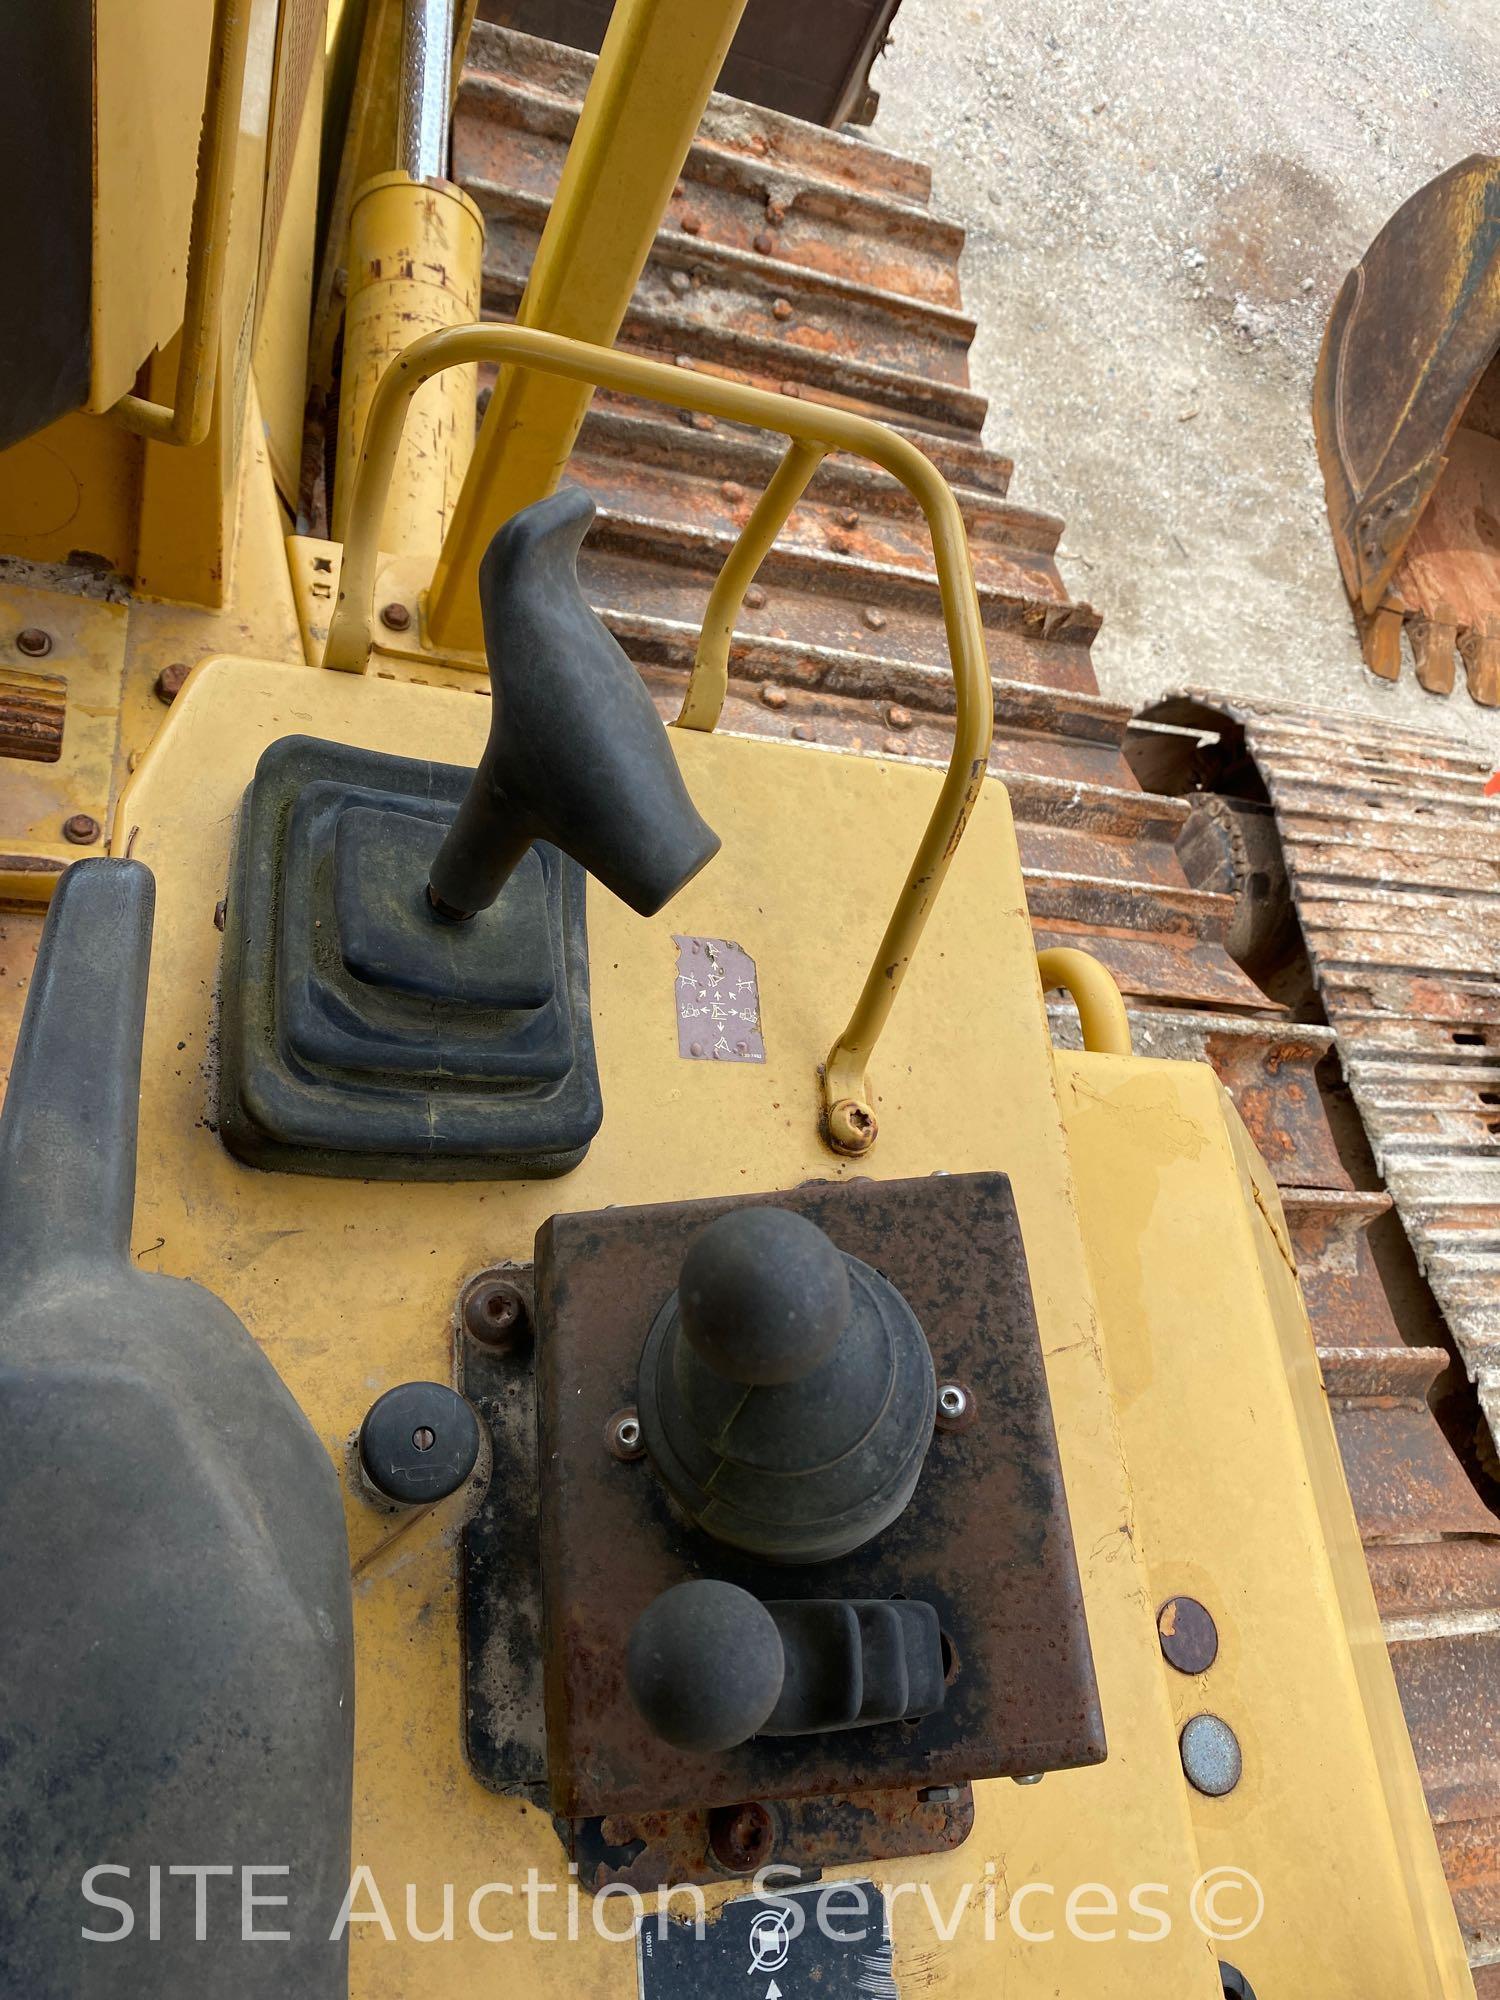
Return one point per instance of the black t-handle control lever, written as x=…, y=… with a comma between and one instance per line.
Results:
x=577, y=754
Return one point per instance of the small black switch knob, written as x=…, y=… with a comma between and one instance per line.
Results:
x=419, y=1443
x=705, y=1665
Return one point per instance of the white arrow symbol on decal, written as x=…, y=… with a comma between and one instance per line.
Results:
x=773, y=1991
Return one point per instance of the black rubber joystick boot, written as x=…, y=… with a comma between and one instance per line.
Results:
x=786, y=1390
x=577, y=754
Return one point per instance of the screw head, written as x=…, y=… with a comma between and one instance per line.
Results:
x=82, y=829
x=955, y=1406
x=851, y=1126
x=494, y=1309
x=740, y=1838
x=395, y=617
x=34, y=642
x=622, y=1435
x=168, y=683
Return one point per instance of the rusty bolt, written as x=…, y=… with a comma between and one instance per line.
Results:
x=732, y=491
x=898, y=717
x=759, y=143
x=682, y=361
x=741, y=1837
x=893, y=747
x=874, y=617
x=781, y=308
x=1189, y=1637
x=34, y=642
x=168, y=683
x=851, y=1126
x=849, y=517
x=692, y=222
x=775, y=212
x=803, y=731
x=221, y=913
x=82, y=829
x=773, y=696
x=680, y=281
x=622, y=1436
x=493, y=1309
x=395, y=617
x=702, y=421
x=763, y=242
x=679, y=189
x=755, y=597
x=791, y=389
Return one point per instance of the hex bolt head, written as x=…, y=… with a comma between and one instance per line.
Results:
x=940, y=1795
x=395, y=617
x=168, y=683
x=1189, y=1637
x=82, y=829
x=898, y=717
x=494, y=1310
x=755, y=598
x=34, y=642
x=1211, y=1756
x=874, y=617
x=419, y=1443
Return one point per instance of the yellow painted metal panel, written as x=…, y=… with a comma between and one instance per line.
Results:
x=1240, y=1502
x=87, y=637
x=72, y=488
x=150, y=71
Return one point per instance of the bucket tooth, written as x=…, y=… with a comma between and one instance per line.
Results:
x=1434, y=646
x=1480, y=649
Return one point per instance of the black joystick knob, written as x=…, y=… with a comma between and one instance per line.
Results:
x=419, y=1443
x=705, y=1665
x=786, y=1390
x=577, y=754
x=763, y=1296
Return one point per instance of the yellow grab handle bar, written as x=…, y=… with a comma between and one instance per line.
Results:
x=1092, y=989
x=813, y=430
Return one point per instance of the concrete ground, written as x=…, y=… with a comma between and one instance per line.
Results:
x=1162, y=198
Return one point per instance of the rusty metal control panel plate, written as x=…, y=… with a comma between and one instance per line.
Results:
x=986, y=1538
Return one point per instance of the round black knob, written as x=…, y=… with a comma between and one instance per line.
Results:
x=763, y=1296
x=419, y=1442
x=705, y=1665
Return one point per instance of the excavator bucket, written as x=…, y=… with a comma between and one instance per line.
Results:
x=1406, y=410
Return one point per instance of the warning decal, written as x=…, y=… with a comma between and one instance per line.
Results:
x=828, y=1942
